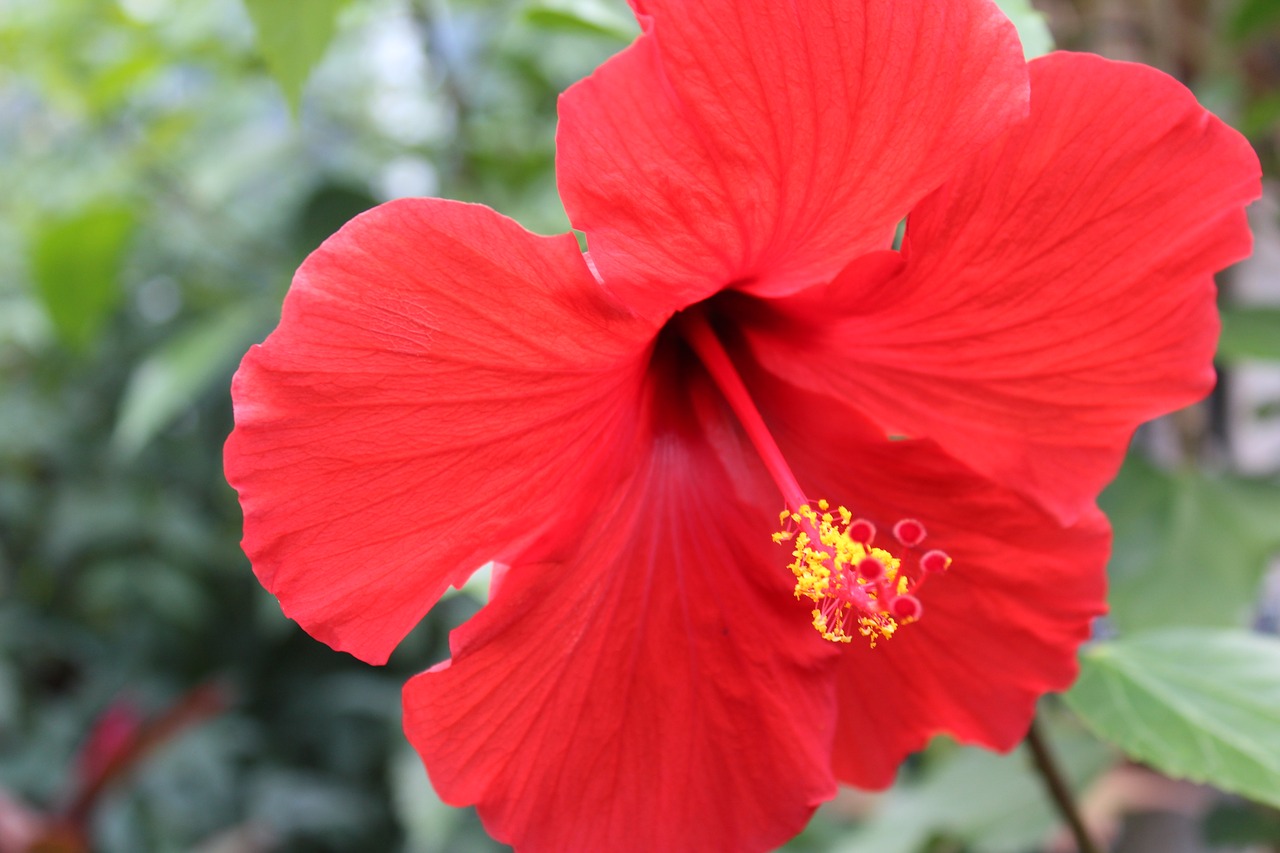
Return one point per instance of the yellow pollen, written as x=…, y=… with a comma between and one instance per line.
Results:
x=825, y=560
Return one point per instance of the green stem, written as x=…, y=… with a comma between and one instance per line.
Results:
x=1059, y=791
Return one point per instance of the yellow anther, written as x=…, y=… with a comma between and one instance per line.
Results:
x=825, y=562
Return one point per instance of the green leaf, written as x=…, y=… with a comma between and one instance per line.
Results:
x=293, y=37
x=1250, y=333
x=1195, y=704
x=1190, y=548
x=1033, y=30
x=583, y=16
x=992, y=802
x=76, y=263
x=172, y=378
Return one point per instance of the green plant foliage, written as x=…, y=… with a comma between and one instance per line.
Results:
x=120, y=570
x=168, y=381
x=1241, y=824
x=1033, y=29
x=293, y=38
x=594, y=17
x=1250, y=333
x=977, y=797
x=76, y=263
x=1190, y=547
x=1253, y=17
x=1195, y=704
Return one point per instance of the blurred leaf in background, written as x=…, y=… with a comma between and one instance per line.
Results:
x=159, y=195
x=1033, y=29
x=168, y=381
x=293, y=37
x=976, y=797
x=1250, y=333
x=76, y=262
x=1190, y=547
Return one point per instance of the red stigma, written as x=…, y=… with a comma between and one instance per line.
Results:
x=871, y=569
x=909, y=532
x=862, y=531
x=934, y=561
x=906, y=608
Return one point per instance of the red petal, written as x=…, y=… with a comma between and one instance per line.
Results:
x=655, y=688
x=1057, y=294
x=767, y=143
x=1000, y=626
x=442, y=387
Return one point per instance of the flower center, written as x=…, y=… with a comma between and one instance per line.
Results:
x=857, y=588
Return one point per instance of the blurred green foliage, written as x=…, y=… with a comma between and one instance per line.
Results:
x=164, y=176
x=293, y=40
x=1190, y=547
x=1250, y=333
x=167, y=165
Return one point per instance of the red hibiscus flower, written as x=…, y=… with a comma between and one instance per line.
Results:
x=619, y=430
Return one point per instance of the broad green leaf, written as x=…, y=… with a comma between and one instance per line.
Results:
x=1195, y=704
x=173, y=377
x=993, y=802
x=1250, y=333
x=1190, y=548
x=293, y=37
x=1033, y=30
x=585, y=16
x=76, y=263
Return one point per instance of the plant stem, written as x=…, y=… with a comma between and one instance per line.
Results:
x=1059, y=791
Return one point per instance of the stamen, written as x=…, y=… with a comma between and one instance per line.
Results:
x=857, y=589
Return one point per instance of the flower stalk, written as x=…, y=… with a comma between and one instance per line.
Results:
x=1055, y=783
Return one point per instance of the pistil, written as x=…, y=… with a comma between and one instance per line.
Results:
x=706, y=345
x=856, y=587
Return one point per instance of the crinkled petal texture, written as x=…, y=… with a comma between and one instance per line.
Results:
x=650, y=684
x=442, y=389
x=766, y=144
x=1000, y=627
x=1056, y=294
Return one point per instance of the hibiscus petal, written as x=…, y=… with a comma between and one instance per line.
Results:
x=441, y=386
x=1058, y=293
x=767, y=144
x=656, y=687
x=1000, y=627
x=1000, y=630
